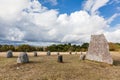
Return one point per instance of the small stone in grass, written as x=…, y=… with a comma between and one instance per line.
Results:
x=48, y=53
x=60, y=58
x=35, y=54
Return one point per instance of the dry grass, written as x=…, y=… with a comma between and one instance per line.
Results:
x=47, y=68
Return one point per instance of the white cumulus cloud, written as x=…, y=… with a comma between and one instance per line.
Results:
x=93, y=5
x=9, y=9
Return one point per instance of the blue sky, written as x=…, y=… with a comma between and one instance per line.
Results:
x=44, y=22
x=64, y=6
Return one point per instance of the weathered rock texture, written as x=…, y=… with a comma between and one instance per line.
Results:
x=23, y=58
x=9, y=54
x=99, y=49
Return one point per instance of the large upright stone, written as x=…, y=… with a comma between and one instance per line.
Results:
x=23, y=58
x=99, y=49
x=9, y=54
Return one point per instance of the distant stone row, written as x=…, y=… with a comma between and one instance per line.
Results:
x=23, y=57
x=98, y=51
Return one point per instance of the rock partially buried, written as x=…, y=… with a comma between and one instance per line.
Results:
x=23, y=58
x=70, y=52
x=82, y=56
x=9, y=54
x=58, y=53
x=19, y=60
x=99, y=49
x=35, y=54
x=75, y=52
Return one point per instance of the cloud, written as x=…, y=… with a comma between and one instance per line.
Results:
x=32, y=22
x=52, y=2
x=118, y=8
x=92, y=6
x=113, y=34
x=9, y=9
x=114, y=2
x=113, y=17
x=78, y=22
x=50, y=26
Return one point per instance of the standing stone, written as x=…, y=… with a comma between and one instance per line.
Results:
x=48, y=53
x=99, y=49
x=23, y=58
x=70, y=52
x=19, y=61
x=9, y=54
x=75, y=52
x=82, y=56
x=60, y=58
x=58, y=53
x=35, y=54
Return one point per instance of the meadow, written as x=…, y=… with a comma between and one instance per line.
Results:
x=45, y=67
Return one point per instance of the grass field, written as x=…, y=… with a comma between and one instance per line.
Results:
x=47, y=68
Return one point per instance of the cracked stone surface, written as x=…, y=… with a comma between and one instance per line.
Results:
x=99, y=49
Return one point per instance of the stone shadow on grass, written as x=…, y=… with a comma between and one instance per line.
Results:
x=116, y=62
x=22, y=64
x=33, y=62
x=64, y=62
x=14, y=57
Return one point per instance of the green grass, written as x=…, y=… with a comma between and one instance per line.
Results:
x=47, y=68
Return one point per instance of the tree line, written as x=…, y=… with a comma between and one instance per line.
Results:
x=55, y=47
x=68, y=47
x=20, y=48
